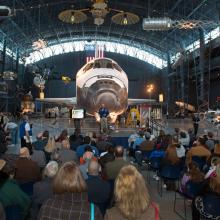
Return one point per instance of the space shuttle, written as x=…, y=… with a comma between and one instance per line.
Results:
x=100, y=81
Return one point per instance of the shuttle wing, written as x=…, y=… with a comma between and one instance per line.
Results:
x=140, y=101
x=59, y=101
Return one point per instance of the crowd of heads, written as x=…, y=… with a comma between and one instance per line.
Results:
x=69, y=161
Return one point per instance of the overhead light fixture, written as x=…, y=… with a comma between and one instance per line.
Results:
x=125, y=20
x=72, y=18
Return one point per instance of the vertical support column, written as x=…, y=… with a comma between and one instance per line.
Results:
x=202, y=77
x=177, y=84
x=182, y=83
x=169, y=83
x=201, y=67
x=17, y=61
x=16, y=69
x=3, y=56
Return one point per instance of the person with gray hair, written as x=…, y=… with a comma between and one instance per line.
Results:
x=98, y=189
x=43, y=189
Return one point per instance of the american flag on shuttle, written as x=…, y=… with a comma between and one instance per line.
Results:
x=94, y=51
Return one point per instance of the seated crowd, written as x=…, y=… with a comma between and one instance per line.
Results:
x=196, y=160
x=71, y=177
x=88, y=177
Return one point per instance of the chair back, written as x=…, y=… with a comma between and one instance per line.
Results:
x=146, y=154
x=200, y=161
x=192, y=189
x=171, y=171
x=155, y=162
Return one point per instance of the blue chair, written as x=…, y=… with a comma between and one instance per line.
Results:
x=154, y=165
x=192, y=190
x=200, y=161
x=13, y=212
x=142, y=159
x=146, y=155
x=169, y=172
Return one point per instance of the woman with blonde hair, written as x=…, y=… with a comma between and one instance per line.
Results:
x=50, y=146
x=70, y=200
x=132, y=198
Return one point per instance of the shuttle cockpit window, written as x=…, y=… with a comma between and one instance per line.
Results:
x=103, y=63
x=117, y=67
x=96, y=65
x=88, y=67
x=109, y=65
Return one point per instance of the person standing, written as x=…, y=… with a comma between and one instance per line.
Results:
x=25, y=132
x=103, y=113
x=12, y=128
x=196, y=123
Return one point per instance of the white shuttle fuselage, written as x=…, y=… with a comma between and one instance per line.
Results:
x=102, y=81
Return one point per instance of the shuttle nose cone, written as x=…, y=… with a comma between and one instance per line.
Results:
x=108, y=99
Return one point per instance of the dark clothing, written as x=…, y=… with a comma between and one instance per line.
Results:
x=106, y=158
x=39, y=157
x=113, y=168
x=42, y=191
x=26, y=170
x=103, y=112
x=68, y=206
x=196, y=124
x=66, y=155
x=3, y=142
x=208, y=206
x=103, y=145
x=81, y=150
x=11, y=194
x=10, y=162
x=75, y=141
x=40, y=144
x=98, y=192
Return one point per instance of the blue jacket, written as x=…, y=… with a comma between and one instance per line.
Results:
x=103, y=112
x=81, y=150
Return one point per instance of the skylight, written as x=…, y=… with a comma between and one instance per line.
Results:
x=109, y=47
x=196, y=44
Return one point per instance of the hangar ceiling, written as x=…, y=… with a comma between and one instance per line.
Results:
x=38, y=19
